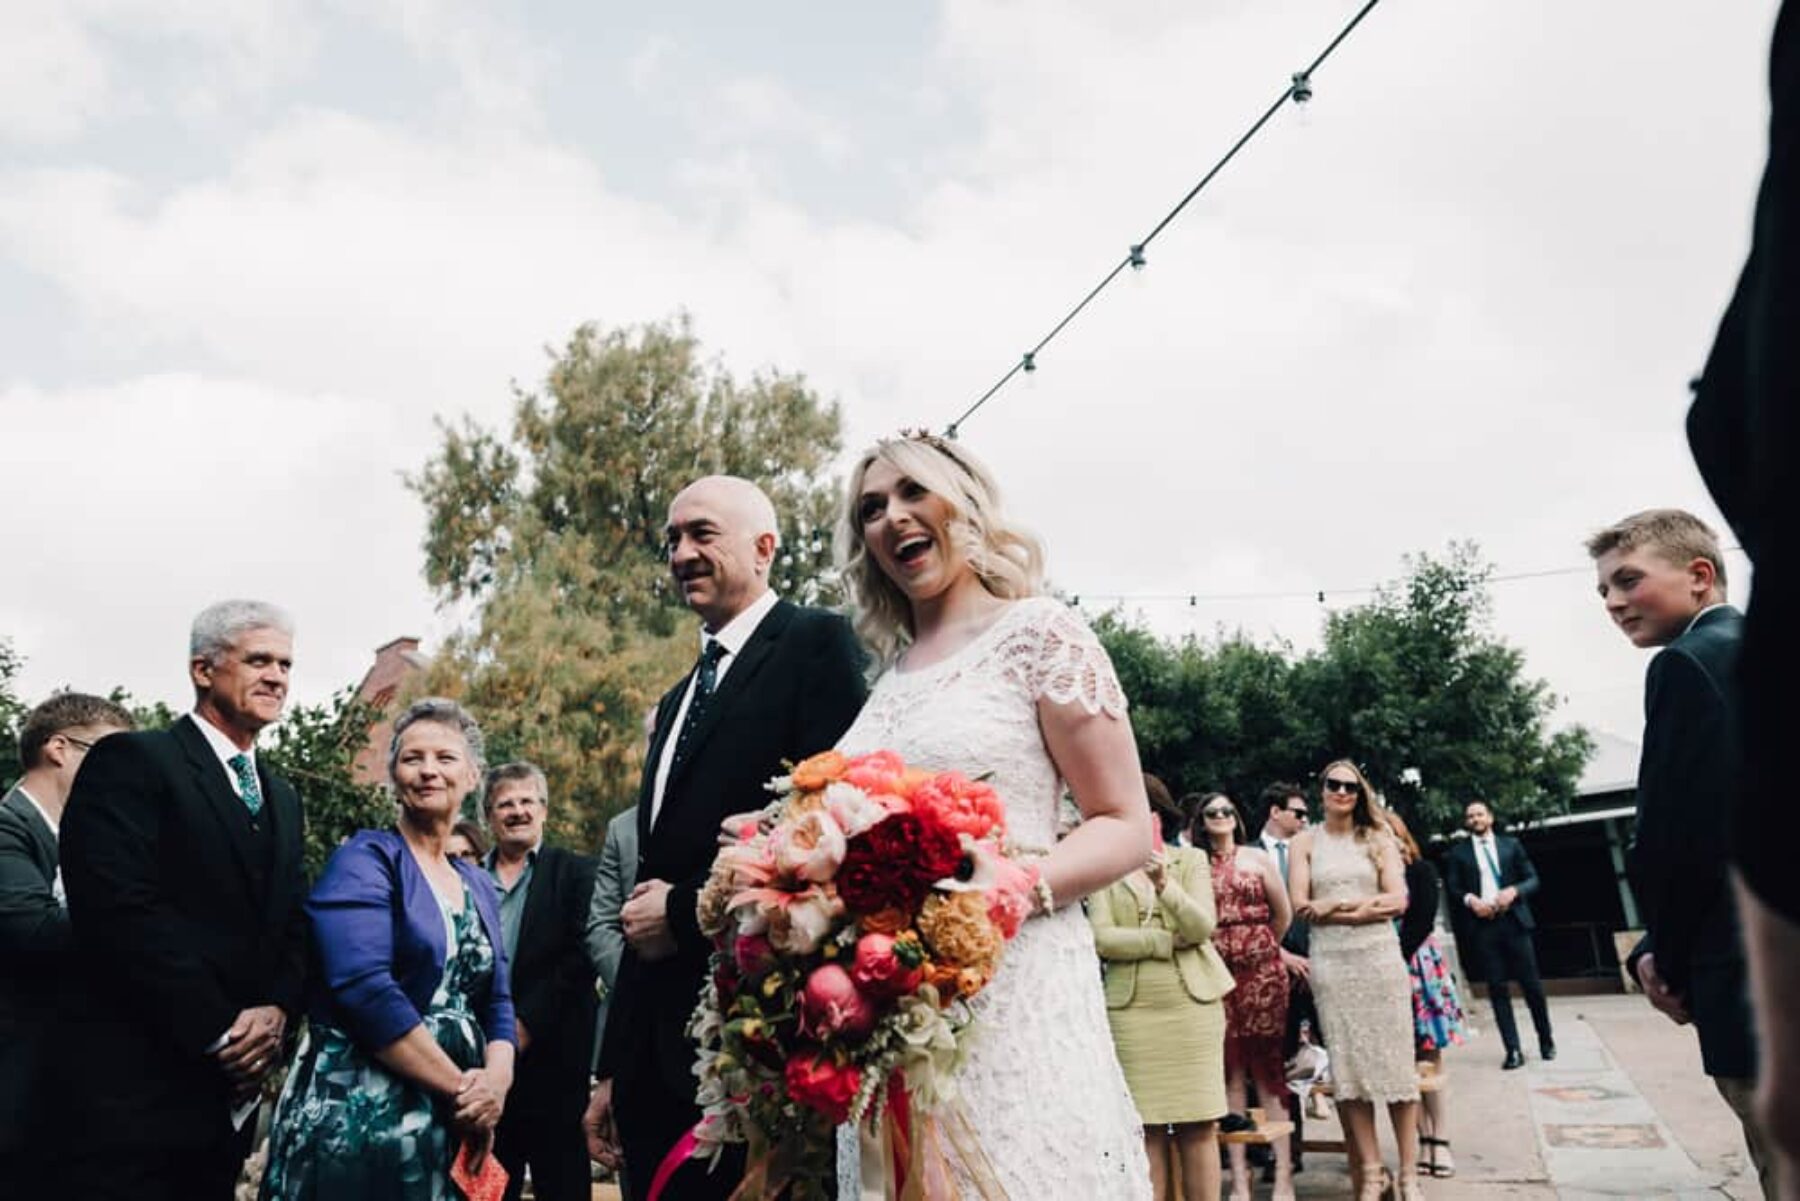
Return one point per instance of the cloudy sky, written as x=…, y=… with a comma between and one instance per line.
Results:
x=249, y=249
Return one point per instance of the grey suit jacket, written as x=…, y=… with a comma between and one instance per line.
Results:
x=34, y=947
x=614, y=879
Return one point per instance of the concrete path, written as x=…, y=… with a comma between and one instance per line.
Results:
x=1623, y=1112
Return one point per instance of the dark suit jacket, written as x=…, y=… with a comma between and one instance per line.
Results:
x=553, y=988
x=792, y=692
x=34, y=946
x=1422, y=894
x=1687, y=777
x=1463, y=877
x=184, y=913
x=1742, y=431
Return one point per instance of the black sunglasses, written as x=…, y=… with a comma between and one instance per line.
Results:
x=1298, y=810
x=1336, y=785
x=80, y=744
x=1218, y=812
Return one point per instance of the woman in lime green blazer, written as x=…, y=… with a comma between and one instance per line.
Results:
x=1164, y=982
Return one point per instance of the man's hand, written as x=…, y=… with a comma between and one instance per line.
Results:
x=1297, y=965
x=645, y=919
x=1667, y=1000
x=479, y=1100
x=254, y=1045
x=1480, y=908
x=597, y=1123
x=1503, y=900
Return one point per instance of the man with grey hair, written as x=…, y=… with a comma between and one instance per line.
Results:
x=34, y=926
x=181, y=856
x=774, y=682
x=544, y=896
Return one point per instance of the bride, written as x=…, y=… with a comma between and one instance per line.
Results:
x=984, y=674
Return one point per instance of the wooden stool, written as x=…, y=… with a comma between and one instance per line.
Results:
x=1264, y=1135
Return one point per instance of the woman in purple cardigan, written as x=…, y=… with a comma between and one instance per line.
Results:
x=409, y=1037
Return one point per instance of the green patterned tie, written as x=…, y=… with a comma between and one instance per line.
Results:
x=246, y=782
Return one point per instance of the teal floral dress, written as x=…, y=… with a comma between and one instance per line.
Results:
x=348, y=1129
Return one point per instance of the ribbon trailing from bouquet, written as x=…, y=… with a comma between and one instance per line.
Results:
x=923, y=1148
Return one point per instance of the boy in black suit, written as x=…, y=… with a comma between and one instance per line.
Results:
x=1492, y=878
x=1662, y=577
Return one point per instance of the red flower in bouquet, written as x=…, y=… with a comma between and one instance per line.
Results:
x=962, y=805
x=816, y=1081
x=894, y=863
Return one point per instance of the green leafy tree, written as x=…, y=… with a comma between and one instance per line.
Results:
x=1417, y=689
x=1413, y=686
x=12, y=715
x=314, y=746
x=553, y=533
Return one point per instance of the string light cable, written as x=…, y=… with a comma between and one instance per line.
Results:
x=1196, y=599
x=1298, y=91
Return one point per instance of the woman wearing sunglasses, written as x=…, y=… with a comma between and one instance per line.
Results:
x=1254, y=913
x=1348, y=881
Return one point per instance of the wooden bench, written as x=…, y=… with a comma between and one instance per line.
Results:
x=1265, y=1134
x=1430, y=1081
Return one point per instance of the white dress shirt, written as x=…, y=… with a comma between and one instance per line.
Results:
x=1486, y=849
x=56, y=885
x=1270, y=842
x=224, y=748
x=732, y=638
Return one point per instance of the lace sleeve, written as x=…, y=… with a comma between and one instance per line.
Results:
x=1069, y=666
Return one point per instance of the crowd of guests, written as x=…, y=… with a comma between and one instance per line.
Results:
x=163, y=943
x=1209, y=989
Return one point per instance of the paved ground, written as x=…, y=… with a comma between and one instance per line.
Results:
x=1623, y=1111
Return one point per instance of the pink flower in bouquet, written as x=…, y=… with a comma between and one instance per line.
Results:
x=876, y=773
x=808, y=847
x=962, y=805
x=1010, y=886
x=799, y=922
x=831, y=1004
x=879, y=970
x=815, y=1081
x=753, y=954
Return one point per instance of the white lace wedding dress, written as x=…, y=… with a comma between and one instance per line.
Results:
x=1042, y=1087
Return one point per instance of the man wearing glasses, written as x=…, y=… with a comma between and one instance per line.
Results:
x=34, y=924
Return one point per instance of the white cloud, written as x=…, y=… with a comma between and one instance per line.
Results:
x=1461, y=303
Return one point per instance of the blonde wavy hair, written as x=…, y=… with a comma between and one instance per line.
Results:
x=1008, y=560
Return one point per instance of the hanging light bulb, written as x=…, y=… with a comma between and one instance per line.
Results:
x=1301, y=93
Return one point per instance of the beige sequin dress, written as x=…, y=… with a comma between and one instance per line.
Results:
x=1359, y=981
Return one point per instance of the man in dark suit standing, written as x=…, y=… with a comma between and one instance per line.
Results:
x=544, y=893
x=1662, y=577
x=181, y=857
x=1492, y=878
x=35, y=943
x=774, y=683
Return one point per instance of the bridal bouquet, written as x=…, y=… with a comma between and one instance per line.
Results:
x=853, y=919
